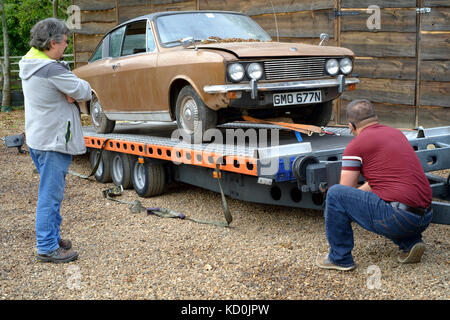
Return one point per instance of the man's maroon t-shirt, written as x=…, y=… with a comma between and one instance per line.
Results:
x=388, y=162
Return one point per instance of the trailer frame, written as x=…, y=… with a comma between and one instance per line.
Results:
x=288, y=173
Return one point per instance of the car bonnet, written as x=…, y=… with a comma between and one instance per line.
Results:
x=275, y=49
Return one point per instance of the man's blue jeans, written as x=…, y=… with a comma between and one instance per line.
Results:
x=52, y=167
x=345, y=204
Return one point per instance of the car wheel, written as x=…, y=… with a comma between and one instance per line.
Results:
x=193, y=116
x=148, y=179
x=319, y=116
x=101, y=123
x=121, y=170
x=103, y=173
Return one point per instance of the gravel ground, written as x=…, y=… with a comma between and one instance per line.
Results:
x=268, y=253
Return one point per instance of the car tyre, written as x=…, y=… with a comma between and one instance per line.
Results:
x=148, y=179
x=320, y=115
x=121, y=169
x=193, y=116
x=103, y=173
x=101, y=123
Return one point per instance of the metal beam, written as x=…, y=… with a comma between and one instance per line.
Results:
x=441, y=213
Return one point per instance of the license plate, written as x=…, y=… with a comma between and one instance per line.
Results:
x=291, y=98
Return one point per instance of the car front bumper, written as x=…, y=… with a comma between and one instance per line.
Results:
x=254, y=87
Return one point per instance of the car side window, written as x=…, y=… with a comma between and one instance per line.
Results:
x=151, y=45
x=115, y=42
x=98, y=53
x=134, y=41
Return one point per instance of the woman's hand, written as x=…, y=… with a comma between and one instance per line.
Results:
x=69, y=99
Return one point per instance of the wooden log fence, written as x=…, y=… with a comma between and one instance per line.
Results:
x=14, y=61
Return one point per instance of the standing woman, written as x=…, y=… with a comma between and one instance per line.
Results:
x=53, y=129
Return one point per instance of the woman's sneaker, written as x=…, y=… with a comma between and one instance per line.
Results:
x=58, y=256
x=414, y=255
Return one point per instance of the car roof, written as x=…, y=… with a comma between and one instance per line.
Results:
x=154, y=15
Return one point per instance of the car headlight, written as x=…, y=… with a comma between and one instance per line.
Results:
x=236, y=72
x=254, y=71
x=346, y=65
x=332, y=67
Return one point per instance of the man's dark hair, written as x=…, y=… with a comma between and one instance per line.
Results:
x=47, y=30
x=359, y=110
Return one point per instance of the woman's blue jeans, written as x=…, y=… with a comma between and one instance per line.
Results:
x=52, y=167
x=346, y=204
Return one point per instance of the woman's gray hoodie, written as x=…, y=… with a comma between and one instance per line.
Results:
x=52, y=123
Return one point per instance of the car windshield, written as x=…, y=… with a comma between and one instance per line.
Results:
x=208, y=26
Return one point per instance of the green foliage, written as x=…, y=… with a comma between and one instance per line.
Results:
x=22, y=15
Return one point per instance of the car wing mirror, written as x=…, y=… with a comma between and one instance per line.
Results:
x=187, y=42
x=324, y=37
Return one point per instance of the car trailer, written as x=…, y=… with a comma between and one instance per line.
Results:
x=257, y=162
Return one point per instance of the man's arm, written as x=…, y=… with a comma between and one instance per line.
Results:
x=365, y=187
x=349, y=178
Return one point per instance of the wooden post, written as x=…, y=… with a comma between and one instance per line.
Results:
x=337, y=37
x=55, y=9
x=117, y=12
x=6, y=91
x=74, y=46
x=74, y=51
x=419, y=4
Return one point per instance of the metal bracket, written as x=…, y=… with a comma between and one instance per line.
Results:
x=338, y=13
x=254, y=92
x=423, y=10
x=15, y=141
x=341, y=81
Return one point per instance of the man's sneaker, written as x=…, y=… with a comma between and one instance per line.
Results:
x=66, y=244
x=414, y=255
x=58, y=256
x=324, y=263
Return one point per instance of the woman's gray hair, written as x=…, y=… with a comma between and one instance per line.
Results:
x=47, y=30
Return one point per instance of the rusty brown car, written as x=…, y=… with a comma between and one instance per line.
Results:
x=205, y=68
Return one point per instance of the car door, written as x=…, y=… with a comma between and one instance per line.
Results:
x=98, y=70
x=111, y=94
x=135, y=70
x=101, y=73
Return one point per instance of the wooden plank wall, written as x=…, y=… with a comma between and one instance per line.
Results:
x=407, y=90
x=97, y=18
x=386, y=58
x=435, y=65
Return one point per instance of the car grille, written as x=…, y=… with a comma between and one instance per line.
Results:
x=283, y=69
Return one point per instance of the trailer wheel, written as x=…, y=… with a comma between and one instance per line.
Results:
x=121, y=169
x=320, y=115
x=101, y=123
x=103, y=173
x=148, y=179
x=193, y=116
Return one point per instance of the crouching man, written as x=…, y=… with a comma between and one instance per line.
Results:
x=395, y=200
x=53, y=129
